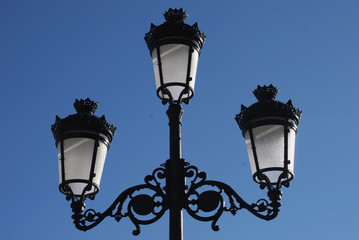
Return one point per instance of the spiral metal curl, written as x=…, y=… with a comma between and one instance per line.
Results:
x=142, y=204
x=206, y=199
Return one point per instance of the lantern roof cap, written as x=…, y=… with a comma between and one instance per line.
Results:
x=175, y=28
x=267, y=106
x=83, y=120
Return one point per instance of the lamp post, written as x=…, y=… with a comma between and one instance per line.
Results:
x=268, y=126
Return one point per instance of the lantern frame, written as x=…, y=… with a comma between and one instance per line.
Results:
x=83, y=124
x=268, y=111
x=175, y=31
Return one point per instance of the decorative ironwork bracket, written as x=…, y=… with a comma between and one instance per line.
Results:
x=204, y=200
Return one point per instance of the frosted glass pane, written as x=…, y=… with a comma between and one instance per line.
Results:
x=269, y=142
x=78, y=158
x=194, y=63
x=100, y=162
x=174, y=62
x=250, y=152
x=291, y=150
x=155, y=68
x=174, y=59
x=59, y=161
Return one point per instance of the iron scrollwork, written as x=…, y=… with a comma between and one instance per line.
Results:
x=204, y=200
x=142, y=204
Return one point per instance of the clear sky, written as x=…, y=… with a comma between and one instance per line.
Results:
x=52, y=52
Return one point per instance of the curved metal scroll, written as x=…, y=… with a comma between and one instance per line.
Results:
x=206, y=199
x=143, y=204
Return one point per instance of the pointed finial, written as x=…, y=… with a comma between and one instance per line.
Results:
x=266, y=93
x=85, y=106
x=175, y=15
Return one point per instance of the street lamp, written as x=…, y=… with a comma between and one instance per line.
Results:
x=268, y=126
x=82, y=141
x=175, y=48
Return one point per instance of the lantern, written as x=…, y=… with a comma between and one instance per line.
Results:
x=175, y=48
x=269, y=128
x=82, y=141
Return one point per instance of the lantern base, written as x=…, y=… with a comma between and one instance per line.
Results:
x=274, y=176
x=175, y=93
x=78, y=188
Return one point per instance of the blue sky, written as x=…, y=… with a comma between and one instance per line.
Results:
x=53, y=52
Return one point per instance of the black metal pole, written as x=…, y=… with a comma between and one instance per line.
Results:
x=175, y=168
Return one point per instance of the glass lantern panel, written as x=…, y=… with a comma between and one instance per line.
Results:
x=250, y=152
x=59, y=161
x=78, y=159
x=269, y=143
x=156, y=68
x=174, y=59
x=100, y=162
x=291, y=149
x=193, y=72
